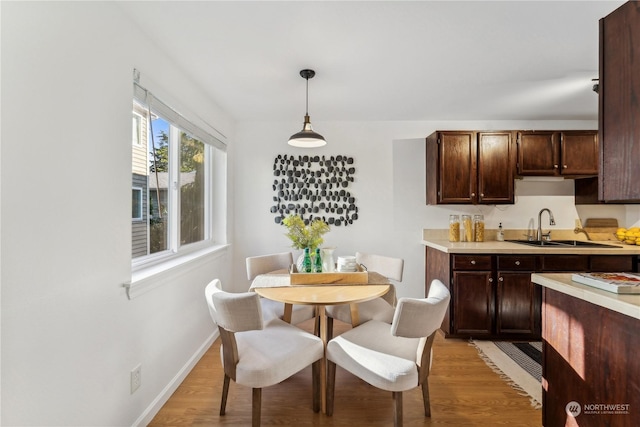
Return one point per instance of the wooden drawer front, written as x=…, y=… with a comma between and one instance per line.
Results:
x=516, y=263
x=472, y=262
x=611, y=263
x=564, y=263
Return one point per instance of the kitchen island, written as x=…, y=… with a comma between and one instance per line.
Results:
x=591, y=341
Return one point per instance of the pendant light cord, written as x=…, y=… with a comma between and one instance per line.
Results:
x=307, y=103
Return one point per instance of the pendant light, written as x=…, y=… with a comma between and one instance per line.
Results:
x=307, y=138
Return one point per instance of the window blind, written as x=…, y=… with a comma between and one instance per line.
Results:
x=146, y=98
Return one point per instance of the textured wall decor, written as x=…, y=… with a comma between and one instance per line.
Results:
x=314, y=187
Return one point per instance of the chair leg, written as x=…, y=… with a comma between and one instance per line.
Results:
x=316, y=325
x=256, y=407
x=397, y=409
x=315, y=380
x=425, y=398
x=329, y=328
x=331, y=386
x=225, y=392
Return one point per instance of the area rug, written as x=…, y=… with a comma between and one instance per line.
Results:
x=518, y=363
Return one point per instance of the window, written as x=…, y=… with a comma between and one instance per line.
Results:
x=178, y=172
x=136, y=127
x=136, y=204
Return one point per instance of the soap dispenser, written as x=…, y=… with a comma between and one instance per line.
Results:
x=500, y=233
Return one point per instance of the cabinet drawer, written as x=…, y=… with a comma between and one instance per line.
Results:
x=472, y=262
x=611, y=263
x=516, y=263
x=564, y=263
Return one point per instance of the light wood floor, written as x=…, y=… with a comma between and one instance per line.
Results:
x=464, y=392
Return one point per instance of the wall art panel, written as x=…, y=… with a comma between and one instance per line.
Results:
x=314, y=187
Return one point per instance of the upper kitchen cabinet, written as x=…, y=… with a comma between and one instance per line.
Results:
x=469, y=167
x=619, y=105
x=557, y=153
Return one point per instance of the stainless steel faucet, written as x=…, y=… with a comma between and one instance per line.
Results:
x=551, y=222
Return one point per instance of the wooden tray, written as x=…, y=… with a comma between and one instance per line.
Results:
x=361, y=276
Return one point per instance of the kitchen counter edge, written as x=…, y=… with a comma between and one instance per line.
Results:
x=496, y=247
x=626, y=304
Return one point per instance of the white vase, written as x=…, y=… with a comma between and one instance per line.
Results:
x=328, y=264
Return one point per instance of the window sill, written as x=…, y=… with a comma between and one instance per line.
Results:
x=146, y=279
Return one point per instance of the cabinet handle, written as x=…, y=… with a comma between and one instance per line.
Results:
x=564, y=166
x=481, y=194
x=473, y=194
x=473, y=262
x=517, y=262
x=500, y=279
x=555, y=166
x=490, y=279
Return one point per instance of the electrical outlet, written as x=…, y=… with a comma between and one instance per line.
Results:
x=136, y=378
x=578, y=223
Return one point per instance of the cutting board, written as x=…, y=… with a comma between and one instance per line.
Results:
x=601, y=228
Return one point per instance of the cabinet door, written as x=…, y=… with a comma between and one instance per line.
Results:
x=538, y=153
x=518, y=305
x=457, y=167
x=495, y=167
x=579, y=153
x=619, y=108
x=473, y=303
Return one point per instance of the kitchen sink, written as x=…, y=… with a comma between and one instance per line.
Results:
x=563, y=243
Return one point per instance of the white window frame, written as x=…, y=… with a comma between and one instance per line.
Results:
x=140, y=191
x=145, y=268
x=136, y=124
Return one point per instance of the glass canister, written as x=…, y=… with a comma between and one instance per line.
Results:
x=478, y=228
x=466, y=229
x=454, y=228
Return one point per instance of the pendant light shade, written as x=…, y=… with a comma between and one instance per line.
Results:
x=307, y=138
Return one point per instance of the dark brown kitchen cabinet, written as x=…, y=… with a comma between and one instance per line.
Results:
x=492, y=296
x=495, y=301
x=518, y=300
x=619, y=109
x=557, y=153
x=469, y=167
x=473, y=295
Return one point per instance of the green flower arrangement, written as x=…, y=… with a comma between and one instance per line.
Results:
x=305, y=236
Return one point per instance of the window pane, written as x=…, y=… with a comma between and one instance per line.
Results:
x=159, y=186
x=191, y=189
x=139, y=179
x=136, y=204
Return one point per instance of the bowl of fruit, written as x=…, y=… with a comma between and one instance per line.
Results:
x=630, y=236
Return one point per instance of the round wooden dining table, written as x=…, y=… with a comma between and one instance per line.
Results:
x=320, y=296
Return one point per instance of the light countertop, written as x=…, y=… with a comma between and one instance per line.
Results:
x=621, y=303
x=496, y=247
x=438, y=239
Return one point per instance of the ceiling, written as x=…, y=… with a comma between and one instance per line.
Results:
x=385, y=60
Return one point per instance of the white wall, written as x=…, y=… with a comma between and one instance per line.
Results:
x=390, y=191
x=70, y=336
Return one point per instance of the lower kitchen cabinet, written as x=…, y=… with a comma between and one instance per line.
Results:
x=492, y=296
x=517, y=299
x=473, y=295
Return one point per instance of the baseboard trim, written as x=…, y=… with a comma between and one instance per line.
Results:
x=155, y=406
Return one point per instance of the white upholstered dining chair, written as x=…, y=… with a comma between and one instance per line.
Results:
x=256, y=353
x=381, y=308
x=395, y=357
x=265, y=264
